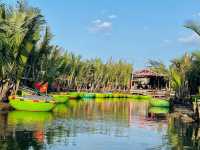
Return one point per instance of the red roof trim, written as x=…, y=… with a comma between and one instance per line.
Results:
x=145, y=73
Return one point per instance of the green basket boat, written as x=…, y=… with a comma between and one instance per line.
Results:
x=159, y=110
x=38, y=105
x=159, y=103
x=108, y=95
x=88, y=95
x=60, y=98
x=140, y=97
x=74, y=95
x=99, y=95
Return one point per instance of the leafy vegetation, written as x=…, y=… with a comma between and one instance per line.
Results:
x=184, y=72
x=177, y=73
x=27, y=56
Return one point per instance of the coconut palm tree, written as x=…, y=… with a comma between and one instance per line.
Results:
x=194, y=74
x=194, y=26
x=175, y=73
x=19, y=28
x=27, y=55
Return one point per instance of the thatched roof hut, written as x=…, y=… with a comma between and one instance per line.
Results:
x=147, y=79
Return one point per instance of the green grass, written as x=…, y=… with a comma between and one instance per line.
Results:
x=74, y=95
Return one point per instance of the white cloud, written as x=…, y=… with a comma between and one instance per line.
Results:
x=104, y=24
x=193, y=39
x=100, y=25
x=97, y=21
x=113, y=16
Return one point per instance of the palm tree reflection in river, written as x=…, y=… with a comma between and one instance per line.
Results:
x=112, y=118
x=183, y=136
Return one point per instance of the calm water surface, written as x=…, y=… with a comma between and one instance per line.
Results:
x=96, y=125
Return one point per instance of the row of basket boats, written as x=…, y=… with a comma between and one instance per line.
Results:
x=26, y=102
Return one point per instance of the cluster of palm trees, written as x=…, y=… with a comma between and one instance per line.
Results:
x=183, y=73
x=26, y=55
x=176, y=73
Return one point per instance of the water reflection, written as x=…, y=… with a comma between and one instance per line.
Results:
x=13, y=139
x=97, y=124
x=183, y=136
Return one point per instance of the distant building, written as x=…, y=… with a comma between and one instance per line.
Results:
x=147, y=81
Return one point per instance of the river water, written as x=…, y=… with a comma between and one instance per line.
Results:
x=97, y=125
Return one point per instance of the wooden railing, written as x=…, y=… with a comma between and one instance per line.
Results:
x=155, y=93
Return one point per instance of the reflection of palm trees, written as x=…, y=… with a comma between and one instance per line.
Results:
x=182, y=135
x=115, y=111
x=119, y=110
x=3, y=126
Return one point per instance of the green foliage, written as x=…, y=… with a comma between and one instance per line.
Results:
x=26, y=53
x=176, y=73
x=20, y=28
x=193, y=74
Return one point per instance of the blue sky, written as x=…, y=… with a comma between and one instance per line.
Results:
x=133, y=30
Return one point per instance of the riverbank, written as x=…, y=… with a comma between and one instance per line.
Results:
x=63, y=97
x=185, y=110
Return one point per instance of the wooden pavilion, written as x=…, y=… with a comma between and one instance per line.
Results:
x=148, y=82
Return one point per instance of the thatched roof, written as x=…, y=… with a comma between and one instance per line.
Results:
x=146, y=73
